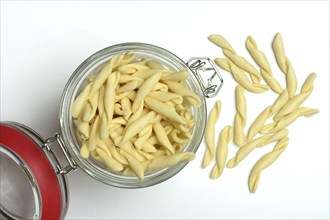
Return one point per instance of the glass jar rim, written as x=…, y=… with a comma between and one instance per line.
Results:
x=74, y=84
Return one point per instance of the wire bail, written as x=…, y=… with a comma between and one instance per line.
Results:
x=201, y=67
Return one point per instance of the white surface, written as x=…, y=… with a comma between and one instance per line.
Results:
x=43, y=43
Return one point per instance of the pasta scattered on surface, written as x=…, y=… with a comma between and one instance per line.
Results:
x=240, y=117
x=264, y=162
x=239, y=61
x=255, y=143
x=222, y=152
x=294, y=103
x=209, y=134
x=285, y=65
x=285, y=109
x=265, y=70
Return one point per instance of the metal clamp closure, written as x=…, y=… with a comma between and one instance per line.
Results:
x=201, y=67
x=57, y=138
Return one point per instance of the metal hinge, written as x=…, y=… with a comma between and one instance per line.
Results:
x=201, y=67
x=71, y=164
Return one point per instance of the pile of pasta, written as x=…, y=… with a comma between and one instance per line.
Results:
x=284, y=111
x=135, y=116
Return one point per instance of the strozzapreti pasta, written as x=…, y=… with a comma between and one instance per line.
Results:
x=285, y=65
x=284, y=110
x=209, y=134
x=239, y=61
x=240, y=117
x=265, y=161
x=222, y=152
x=262, y=61
x=134, y=116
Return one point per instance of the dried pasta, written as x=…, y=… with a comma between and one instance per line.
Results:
x=145, y=88
x=258, y=142
x=285, y=65
x=269, y=111
x=284, y=110
x=298, y=99
x=180, y=89
x=240, y=77
x=239, y=61
x=262, y=61
x=240, y=117
x=264, y=162
x=162, y=162
x=134, y=116
x=287, y=120
x=222, y=152
x=209, y=134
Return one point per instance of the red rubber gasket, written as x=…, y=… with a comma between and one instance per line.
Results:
x=41, y=167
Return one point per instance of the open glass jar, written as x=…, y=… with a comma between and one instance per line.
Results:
x=17, y=139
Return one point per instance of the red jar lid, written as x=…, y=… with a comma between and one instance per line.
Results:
x=23, y=144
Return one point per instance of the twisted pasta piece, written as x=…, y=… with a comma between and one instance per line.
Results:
x=105, y=73
x=298, y=99
x=143, y=137
x=114, y=152
x=84, y=152
x=148, y=148
x=91, y=106
x=136, y=126
x=268, y=112
x=160, y=87
x=135, y=165
x=145, y=74
x=109, y=95
x=101, y=144
x=222, y=152
x=78, y=104
x=264, y=162
x=127, y=107
x=111, y=163
x=154, y=64
x=127, y=58
x=279, y=102
x=92, y=136
x=144, y=90
x=240, y=117
x=133, y=84
x=166, y=96
x=176, y=136
x=258, y=123
x=100, y=104
x=162, y=137
x=83, y=128
x=262, y=61
x=163, y=109
x=288, y=119
x=162, y=162
x=258, y=142
x=180, y=89
x=177, y=76
x=132, y=67
x=129, y=148
x=239, y=76
x=285, y=65
x=239, y=61
x=209, y=134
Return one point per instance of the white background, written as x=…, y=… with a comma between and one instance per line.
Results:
x=43, y=42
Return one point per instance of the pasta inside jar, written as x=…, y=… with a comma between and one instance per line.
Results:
x=134, y=116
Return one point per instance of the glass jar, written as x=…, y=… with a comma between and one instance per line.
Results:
x=198, y=69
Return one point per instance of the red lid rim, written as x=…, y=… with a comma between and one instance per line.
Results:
x=38, y=163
